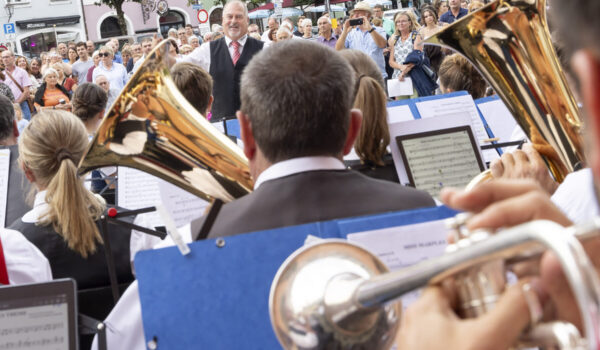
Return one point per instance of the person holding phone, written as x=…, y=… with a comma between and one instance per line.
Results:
x=51, y=95
x=359, y=34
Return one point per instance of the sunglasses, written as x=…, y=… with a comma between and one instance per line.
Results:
x=103, y=54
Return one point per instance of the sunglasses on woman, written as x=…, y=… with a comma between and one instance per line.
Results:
x=103, y=54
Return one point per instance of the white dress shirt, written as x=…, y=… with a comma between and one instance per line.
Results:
x=124, y=323
x=24, y=262
x=576, y=196
x=201, y=55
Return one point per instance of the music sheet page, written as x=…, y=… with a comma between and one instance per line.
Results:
x=459, y=105
x=4, y=171
x=499, y=119
x=398, y=114
x=437, y=161
x=404, y=246
x=138, y=189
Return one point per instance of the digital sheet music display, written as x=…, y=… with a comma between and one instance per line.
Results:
x=35, y=324
x=443, y=158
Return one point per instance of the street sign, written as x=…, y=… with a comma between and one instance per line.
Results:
x=9, y=28
x=11, y=36
x=197, y=7
x=202, y=16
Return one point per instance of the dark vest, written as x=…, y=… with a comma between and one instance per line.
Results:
x=18, y=187
x=223, y=73
x=89, y=272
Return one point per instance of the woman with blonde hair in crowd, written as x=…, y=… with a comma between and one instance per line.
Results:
x=62, y=223
x=457, y=74
x=307, y=29
x=66, y=82
x=404, y=41
x=373, y=137
x=474, y=6
x=283, y=33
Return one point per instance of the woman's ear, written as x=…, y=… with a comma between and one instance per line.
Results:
x=28, y=173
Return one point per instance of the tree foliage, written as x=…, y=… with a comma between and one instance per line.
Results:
x=117, y=5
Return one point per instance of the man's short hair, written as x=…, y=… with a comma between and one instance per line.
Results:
x=7, y=118
x=188, y=26
x=378, y=6
x=145, y=40
x=306, y=22
x=81, y=43
x=194, y=83
x=324, y=17
x=297, y=115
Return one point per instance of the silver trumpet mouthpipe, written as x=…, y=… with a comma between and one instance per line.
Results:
x=337, y=293
x=535, y=237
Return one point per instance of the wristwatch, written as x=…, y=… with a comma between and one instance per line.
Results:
x=371, y=30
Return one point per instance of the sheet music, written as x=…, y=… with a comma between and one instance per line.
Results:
x=437, y=161
x=404, y=246
x=35, y=328
x=4, y=171
x=459, y=105
x=400, y=88
x=138, y=189
x=398, y=114
x=499, y=119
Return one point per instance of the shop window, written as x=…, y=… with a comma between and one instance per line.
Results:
x=172, y=19
x=110, y=28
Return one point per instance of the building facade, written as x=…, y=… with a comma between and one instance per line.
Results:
x=101, y=21
x=34, y=26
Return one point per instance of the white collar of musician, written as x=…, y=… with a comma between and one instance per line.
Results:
x=241, y=40
x=298, y=165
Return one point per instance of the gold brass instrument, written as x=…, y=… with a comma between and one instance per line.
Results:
x=336, y=295
x=509, y=43
x=153, y=128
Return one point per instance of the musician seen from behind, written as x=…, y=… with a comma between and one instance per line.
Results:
x=63, y=223
x=225, y=59
x=431, y=323
x=295, y=144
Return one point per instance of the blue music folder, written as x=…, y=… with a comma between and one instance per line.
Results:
x=217, y=298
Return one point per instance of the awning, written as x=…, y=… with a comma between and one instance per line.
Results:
x=48, y=22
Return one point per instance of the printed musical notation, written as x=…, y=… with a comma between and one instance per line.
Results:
x=458, y=105
x=35, y=328
x=442, y=160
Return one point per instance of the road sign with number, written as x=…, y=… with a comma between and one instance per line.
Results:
x=9, y=28
x=202, y=16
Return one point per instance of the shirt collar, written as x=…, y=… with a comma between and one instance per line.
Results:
x=241, y=40
x=298, y=165
x=39, y=208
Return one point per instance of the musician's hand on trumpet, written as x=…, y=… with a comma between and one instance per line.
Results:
x=502, y=203
x=431, y=323
x=524, y=164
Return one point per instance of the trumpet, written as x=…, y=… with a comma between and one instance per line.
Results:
x=335, y=294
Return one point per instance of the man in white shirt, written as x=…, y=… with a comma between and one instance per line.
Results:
x=226, y=58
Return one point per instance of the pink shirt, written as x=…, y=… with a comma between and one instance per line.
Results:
x=20, y=76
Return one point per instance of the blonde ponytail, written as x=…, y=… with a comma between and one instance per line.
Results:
x=50, y=147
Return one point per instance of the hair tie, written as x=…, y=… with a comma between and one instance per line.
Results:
x=62, y=154
x=357, y=85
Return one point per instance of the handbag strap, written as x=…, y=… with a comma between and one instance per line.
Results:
x=13, y=79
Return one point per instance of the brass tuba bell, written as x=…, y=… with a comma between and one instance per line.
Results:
x=153, y=128
x=508, y=41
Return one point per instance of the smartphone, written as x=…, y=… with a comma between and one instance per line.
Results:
x=62, y=101
x=356, y=22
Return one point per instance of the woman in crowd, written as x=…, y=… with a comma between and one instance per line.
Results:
x=403, y=42
x=5, y=89
x=283, y=33
x=307, y=29
x=186, y=49
x=36, y=70
x=63, y=222
x=114, y=72
x=72, y=55
x=88, y=104
x=66, y=82
x=23, y=64
x=51, y=95
x=371, y=145
x=442, y=8
x=45, y=59
x=273, y=34
x=456, y=74
x=430, y=27
x=96, y=60
x=126, y=54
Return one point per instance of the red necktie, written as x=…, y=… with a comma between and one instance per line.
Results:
x=236, y=52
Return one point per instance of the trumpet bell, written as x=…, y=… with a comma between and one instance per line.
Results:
x=307, y=311
x=153, y=128
x=508, y=41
